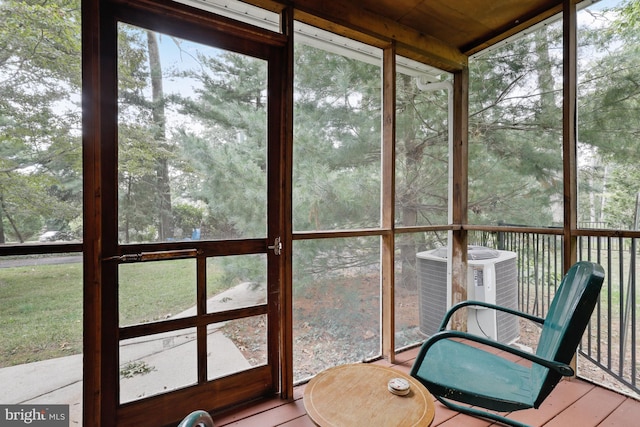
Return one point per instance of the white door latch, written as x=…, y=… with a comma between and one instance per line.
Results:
x=277, y=246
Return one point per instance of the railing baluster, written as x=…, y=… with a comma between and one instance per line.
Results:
x=599, y=308
x=609, y=301
x=632, y=308
x=621, y=306
x=580, y=243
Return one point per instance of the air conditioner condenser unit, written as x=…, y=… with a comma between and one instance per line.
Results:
x=492, y=276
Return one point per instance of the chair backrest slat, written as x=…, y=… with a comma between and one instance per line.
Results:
x=566, y=321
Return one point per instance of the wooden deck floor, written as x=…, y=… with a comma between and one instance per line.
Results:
x=573, y=403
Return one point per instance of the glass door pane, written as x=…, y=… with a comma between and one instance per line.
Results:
x=192, y=140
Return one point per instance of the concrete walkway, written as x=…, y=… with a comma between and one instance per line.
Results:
x=165, y=362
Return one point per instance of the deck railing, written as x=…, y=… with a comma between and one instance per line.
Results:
x=609, y=349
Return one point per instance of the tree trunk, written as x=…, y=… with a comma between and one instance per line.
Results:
x=10, y=219
x=414, y=149
x=2, y=238
x=545, y=81
x=163, y=188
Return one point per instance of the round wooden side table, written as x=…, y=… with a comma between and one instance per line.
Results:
x=357, y=395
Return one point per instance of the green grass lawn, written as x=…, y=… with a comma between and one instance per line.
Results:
x=40, y=312
x=152, y=291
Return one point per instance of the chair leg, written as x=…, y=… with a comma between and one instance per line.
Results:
x=480, y=413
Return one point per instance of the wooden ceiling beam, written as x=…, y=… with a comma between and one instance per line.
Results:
x=349, y=20
x=510, y=29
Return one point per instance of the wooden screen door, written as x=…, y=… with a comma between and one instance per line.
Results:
x=190, y=212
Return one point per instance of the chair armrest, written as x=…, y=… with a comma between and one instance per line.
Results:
x=197, y=418
x=559, y=367
x=468, y=303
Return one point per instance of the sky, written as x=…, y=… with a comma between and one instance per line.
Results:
x=604, y=4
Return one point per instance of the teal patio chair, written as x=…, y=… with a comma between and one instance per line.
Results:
x=197, y=419
x=454, y=371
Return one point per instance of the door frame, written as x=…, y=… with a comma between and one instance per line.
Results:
x=102, y=333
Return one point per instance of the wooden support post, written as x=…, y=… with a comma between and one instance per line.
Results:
x=388, y=198
x=286, y=169
x=569, y=132
x=460, y=172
